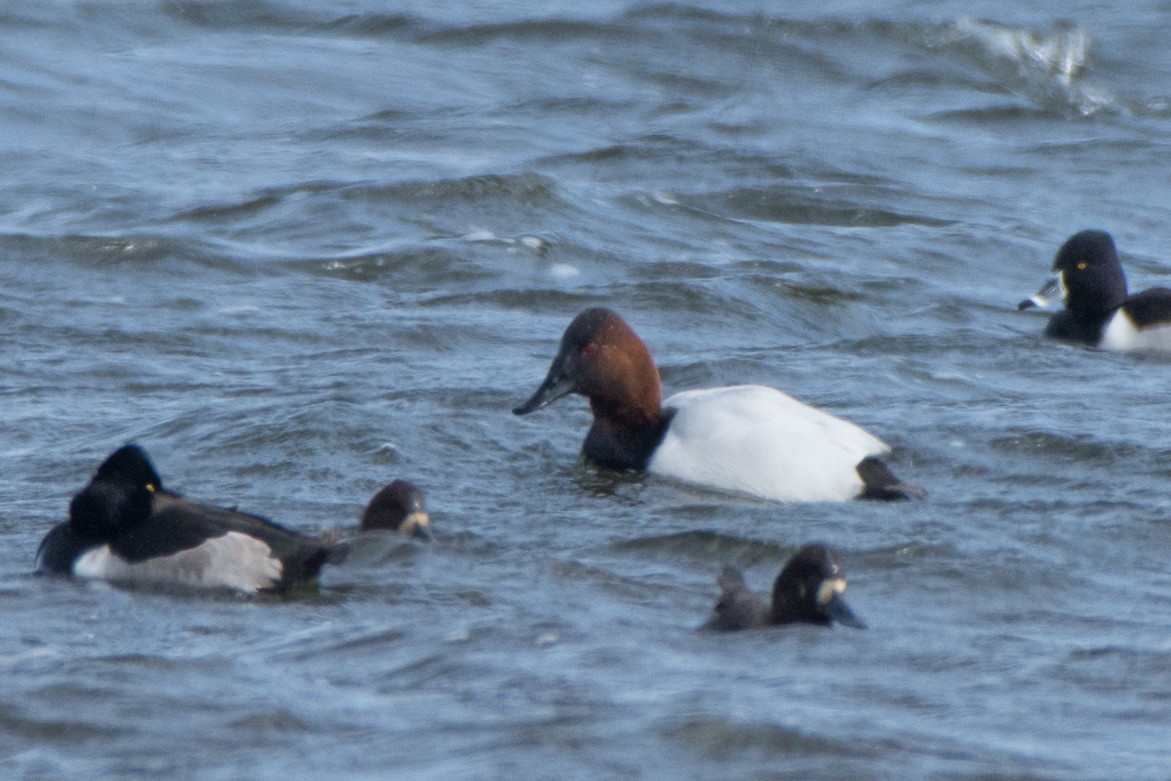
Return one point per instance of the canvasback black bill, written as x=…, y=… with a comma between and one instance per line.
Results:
x=556, y=385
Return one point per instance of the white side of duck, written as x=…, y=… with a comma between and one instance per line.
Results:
x=760, y=441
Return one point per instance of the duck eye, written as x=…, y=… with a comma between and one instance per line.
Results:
x=589, y=349
x=1081, y=265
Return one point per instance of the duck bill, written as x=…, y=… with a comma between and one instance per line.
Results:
x=1050, y=294
x=839, y=611
x=556, y=385
x=418, y=525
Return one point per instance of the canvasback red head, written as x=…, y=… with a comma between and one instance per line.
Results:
x=602, y=358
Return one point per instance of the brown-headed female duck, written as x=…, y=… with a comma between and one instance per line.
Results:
x=399, y=507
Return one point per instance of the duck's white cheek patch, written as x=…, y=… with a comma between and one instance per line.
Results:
x=234, y=560
x=829, y=589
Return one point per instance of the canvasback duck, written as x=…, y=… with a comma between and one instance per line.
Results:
x=125, y=527
x=808, y=590
x=1098, y=311
x=399, y=507
x=743, y=438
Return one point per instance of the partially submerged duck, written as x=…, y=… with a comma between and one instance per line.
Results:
x=808, y=590
x=399, y=507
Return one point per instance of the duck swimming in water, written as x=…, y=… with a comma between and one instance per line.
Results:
x=743, y=438
x=808, y=590
x=1098, y=310
x=125, y=527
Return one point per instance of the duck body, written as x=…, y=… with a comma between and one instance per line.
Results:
x=737, y=607
x=1098, y=310
x=808, y=590
x=125, y=527
x=1142, y=323
x=744, y=438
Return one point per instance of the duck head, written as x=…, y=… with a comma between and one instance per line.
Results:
x=1087, y=276
x=602, y=359
x=118, y=496
x=400, y=506
x=809, y=589
x=1090, y=272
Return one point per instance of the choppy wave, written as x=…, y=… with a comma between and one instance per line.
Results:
x=1048, y=66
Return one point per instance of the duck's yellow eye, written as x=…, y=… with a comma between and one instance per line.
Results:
x=1081, y=265
x=151, y=487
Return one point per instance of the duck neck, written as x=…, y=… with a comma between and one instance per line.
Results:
x=624, y=446
x=791, y=601
x=1100, y=291
x=629, y=409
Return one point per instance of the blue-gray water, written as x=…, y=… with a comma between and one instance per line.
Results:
x=298, y=249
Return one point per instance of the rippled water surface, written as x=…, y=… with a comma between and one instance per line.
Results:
x=298, y=249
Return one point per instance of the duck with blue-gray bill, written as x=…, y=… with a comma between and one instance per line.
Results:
x=808, y=590
x=1098, y=311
